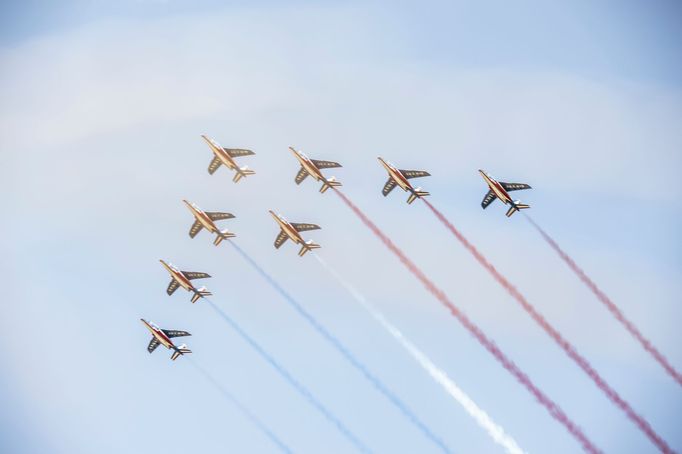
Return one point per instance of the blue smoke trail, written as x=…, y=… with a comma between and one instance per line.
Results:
x=245, y=411
x=345, y=352
x=290, y=379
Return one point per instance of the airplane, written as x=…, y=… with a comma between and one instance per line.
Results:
x=206, y=220
x=290, y=230
x=225, y=156
x=312, y=167
x=500, y=190
x=182, y=279
x=163, y=337
x=400, y=177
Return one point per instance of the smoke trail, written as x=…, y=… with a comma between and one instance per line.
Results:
x=495, y=431
x=290, y=379
x=610, y=305
x=409, y=414
x=507, y=363
x=245, y=411
x=570, y=350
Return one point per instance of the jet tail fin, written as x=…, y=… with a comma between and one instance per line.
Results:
x=200, y=293
x=182, y=350
x=308, y=246
x=331, y=182
x=417, y=193
x=223, y=235
x=516, y=206
x=241, y=173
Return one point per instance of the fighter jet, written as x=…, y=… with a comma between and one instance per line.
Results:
x=400, y=177
x=312, y=167
x=206, y=220
x=182, y=279
x=225, y=156
x=500, y=190
x=163, y=337
x=290, y=230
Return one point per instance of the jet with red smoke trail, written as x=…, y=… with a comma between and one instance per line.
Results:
x=500, y=190
x=290, y=230
x=163, y=337
x=183, y=279
x=206, y=220
x=313, y=168
x=225, y=156
x=397, y=177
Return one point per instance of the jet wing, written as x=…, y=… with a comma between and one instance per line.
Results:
x=301, y=175
x=281, y=238
x=304, y=227
x=325, y=164
x=414, y=173
x=213, y=166
x=514, y=186
x=195, y=275
x=217, y=216
x=388, y=187
x=175, y=333
x=172, y=287
x=152, y=345
x=488, y=199
x=196, y=228
x=236, y=152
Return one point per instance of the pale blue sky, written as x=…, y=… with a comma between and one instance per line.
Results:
x=102, y=108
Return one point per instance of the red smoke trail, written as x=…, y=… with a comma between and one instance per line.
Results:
x=610, y=305
x=554, y=334
x=550, y=405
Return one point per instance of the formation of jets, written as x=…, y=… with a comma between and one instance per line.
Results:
x=291, y=230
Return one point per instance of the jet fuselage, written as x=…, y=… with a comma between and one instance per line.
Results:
x=288, y=229
x=224, y=157
x=497, y=188
x=178, y=277
x=159, y=335
x=202, y=217
x=396, y=176
x=307, y=164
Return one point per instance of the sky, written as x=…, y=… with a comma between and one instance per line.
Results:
x=103, y=105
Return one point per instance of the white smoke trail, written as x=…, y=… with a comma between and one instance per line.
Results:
x=494, y=430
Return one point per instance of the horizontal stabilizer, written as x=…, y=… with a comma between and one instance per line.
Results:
x=241, y=173
x=516, y=206
x=308, y=246
x=200, y=293
x=330, y=183
x=223, y=235
x=181, y=350
x=415, y=194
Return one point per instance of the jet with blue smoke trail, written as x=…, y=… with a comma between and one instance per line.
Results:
x=163, y=337
x=183, y=279
x=206, y=220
